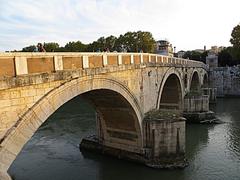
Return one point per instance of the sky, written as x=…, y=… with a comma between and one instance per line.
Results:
x=187, y=24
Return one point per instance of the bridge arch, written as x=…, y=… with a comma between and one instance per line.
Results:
x=129, y=138
x=205, y=80
x=171, y=91
x=195, y=83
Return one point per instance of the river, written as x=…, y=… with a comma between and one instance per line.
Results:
x=53, y=154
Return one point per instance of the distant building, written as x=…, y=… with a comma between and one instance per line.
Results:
x=180, y=54
x=212, y=60
x=164, y=48
x=216, y=49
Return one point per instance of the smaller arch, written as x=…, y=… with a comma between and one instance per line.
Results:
x=171, y=91
x=205, y=80
x=195, y=82
x=185, y=81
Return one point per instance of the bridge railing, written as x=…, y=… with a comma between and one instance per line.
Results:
x=14, y=64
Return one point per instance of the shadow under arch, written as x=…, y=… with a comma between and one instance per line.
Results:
x=171, y=91
x=195, y=83
x=22, y=131
x=205, y=80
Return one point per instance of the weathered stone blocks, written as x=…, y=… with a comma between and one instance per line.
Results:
x=164, y=139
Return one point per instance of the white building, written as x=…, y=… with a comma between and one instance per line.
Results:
x=164, y=48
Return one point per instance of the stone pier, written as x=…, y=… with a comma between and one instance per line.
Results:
x=196, y=108
x=164, y=139
x=211, y=93
x=164, y=142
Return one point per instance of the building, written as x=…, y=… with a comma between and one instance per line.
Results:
x=164, y=48
x=216, y=49
x=212, y=60
x=180, y=54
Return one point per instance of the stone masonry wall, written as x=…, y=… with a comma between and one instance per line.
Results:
x=226, y=80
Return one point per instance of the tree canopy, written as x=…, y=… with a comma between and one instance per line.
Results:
x=225, y=58
x=30, y=48
x=195, y=55
x=130, y=42
x=77, y=46
x=135, y=42
x=51, y=46
x=235, y=40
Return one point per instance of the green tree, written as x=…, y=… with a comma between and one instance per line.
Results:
x=51, y=46
x=146, y=42
x=103, y=43
x=235, y=52
x=127, y=42
x=30, y=48
x=235, y=40
x=203, y=56
x=225, y=57
x=77, y=46
x=130, y=41
x=60, y=49
x=135, y=42
x=110, y=43
x=98, y=45
x=195, y=55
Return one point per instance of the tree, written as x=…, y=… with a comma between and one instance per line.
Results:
x=195, y=55
x=235, y=40
x=30, y=48
x=127, y=42
x=77, y=46
x=130, y=41
x=98, y=45
x=204, y=55
x=110, y=43
x=225, y=57
x=146, y=42
x=135, y=42
x=51, y=46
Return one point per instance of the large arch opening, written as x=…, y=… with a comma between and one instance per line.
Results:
x=171, y=97
x=117, y=123
x=118, y=116
x=103, y=112
x=195, y=82
x=52, y=152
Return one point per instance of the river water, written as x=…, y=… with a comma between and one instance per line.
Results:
x=53, y=154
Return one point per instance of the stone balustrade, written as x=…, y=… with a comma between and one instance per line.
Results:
x=15, y=64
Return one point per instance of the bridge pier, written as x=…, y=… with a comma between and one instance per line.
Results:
x=164, y=139
x=212, y=93
x=196, y=107
x=164, y=142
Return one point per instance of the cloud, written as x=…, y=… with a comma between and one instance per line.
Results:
x=188, y=24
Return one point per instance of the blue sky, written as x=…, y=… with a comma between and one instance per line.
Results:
x=187, y=24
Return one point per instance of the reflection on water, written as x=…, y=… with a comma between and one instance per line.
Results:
x=53, y=154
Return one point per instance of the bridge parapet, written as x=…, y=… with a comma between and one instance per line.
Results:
x=15, y=64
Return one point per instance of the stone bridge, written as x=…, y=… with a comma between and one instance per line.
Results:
x=128, y=91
